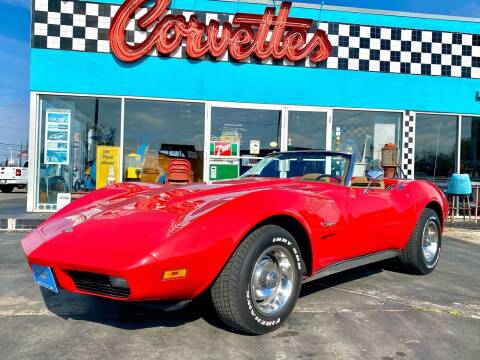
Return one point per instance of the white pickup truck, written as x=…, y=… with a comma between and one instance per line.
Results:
x=13, y=177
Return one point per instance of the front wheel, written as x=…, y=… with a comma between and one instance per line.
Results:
x=259, y=286
x=421, y=253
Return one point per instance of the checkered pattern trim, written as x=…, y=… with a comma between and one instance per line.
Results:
x=408, y=144
x=84, y=26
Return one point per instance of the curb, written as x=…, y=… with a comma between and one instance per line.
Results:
x=13, y=224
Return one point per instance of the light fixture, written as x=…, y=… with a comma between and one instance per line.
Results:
x=174, y=274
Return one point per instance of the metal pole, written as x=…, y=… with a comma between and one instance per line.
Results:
x=477, y=190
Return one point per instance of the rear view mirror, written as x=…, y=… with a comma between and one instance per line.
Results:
x=373, y=175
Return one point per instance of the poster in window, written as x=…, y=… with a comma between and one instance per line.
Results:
x=254, y=147
x=57, y=136
x=108, y=165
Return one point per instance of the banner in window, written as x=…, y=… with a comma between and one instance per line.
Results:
x=108, y=165
x=57, y=137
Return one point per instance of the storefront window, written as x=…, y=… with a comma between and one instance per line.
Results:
x=306, y=130
x=79, y=147
x=157, y=132
x=240, y=138
x=470, y=147
x=435, y=146
x=364, y=133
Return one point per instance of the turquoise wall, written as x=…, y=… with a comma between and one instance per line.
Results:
x=97, y=73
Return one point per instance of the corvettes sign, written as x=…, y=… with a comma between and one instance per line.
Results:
x=264, y=36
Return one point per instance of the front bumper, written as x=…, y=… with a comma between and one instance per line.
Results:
x=15, y=182
x=143, y=278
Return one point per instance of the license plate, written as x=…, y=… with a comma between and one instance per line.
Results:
x=43, y=276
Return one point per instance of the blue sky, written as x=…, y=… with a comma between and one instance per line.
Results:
x=14, y=54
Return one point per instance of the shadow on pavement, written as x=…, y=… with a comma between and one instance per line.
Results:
x=348, y=276
x=141, y=315
x=120, y=314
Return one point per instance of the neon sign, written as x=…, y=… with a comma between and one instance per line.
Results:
x=247, y=35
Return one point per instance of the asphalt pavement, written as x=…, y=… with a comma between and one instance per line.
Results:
x=374, y=312
x=13, y=204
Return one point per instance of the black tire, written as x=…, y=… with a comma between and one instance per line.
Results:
x=231, y=292
x=6, y=188
x=412, y=258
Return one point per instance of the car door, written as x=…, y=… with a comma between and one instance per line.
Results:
x=326, y=214
x=374, y=220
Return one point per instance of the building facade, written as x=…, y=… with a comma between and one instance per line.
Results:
x=113, y=101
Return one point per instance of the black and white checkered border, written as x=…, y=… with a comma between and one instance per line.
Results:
x=84, y=26
x=408, y=144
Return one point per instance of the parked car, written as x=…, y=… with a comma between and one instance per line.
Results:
x=249, y=244
x=12, y=177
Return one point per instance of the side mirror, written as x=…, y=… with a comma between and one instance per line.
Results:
x=373, y=175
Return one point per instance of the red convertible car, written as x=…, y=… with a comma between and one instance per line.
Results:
x=248, y=243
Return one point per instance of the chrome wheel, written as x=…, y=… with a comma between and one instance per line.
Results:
x=430, y=241
x=272, y=279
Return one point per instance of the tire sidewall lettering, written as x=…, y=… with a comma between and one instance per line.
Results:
x=260, y=319
x=290, y=245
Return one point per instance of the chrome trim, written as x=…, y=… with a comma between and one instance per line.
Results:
x=272, y=280
x=352, y=263
x=430, y=241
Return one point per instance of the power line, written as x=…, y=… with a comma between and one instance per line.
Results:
x=11, y=144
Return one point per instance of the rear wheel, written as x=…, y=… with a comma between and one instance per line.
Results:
x=259, y=286
x=421, y=253
x=6, y=188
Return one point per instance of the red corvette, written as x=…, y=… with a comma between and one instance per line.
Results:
x=249, y=243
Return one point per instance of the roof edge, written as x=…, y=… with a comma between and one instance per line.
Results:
x=366, y=10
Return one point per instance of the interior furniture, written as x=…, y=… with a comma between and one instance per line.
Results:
x=458, y=192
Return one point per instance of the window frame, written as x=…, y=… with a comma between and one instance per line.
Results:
x=35, y=119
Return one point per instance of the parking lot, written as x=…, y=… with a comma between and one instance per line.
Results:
x=370, y=313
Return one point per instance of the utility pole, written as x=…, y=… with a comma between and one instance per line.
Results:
x=21, y=153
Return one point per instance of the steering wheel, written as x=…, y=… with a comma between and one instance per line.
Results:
x=330, y=177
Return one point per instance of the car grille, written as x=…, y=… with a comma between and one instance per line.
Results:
x=98, y=284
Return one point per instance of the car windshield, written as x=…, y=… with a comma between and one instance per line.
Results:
x=310, y=166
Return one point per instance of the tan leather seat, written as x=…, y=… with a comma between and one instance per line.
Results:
x=363, y=182
x=311, y=176
x=314, y=177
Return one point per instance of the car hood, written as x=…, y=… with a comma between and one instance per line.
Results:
x=129, y=226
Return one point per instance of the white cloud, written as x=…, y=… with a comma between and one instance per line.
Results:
x=21, y=3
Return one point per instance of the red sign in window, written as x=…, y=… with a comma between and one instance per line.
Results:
x=222, y=149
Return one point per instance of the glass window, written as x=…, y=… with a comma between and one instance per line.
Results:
x=470, y=147
x=364, y=133
x=306, y=130
x=75, y=131
x=240, y=138
x=435, y=146
x=315, y=166
x=157, y=132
